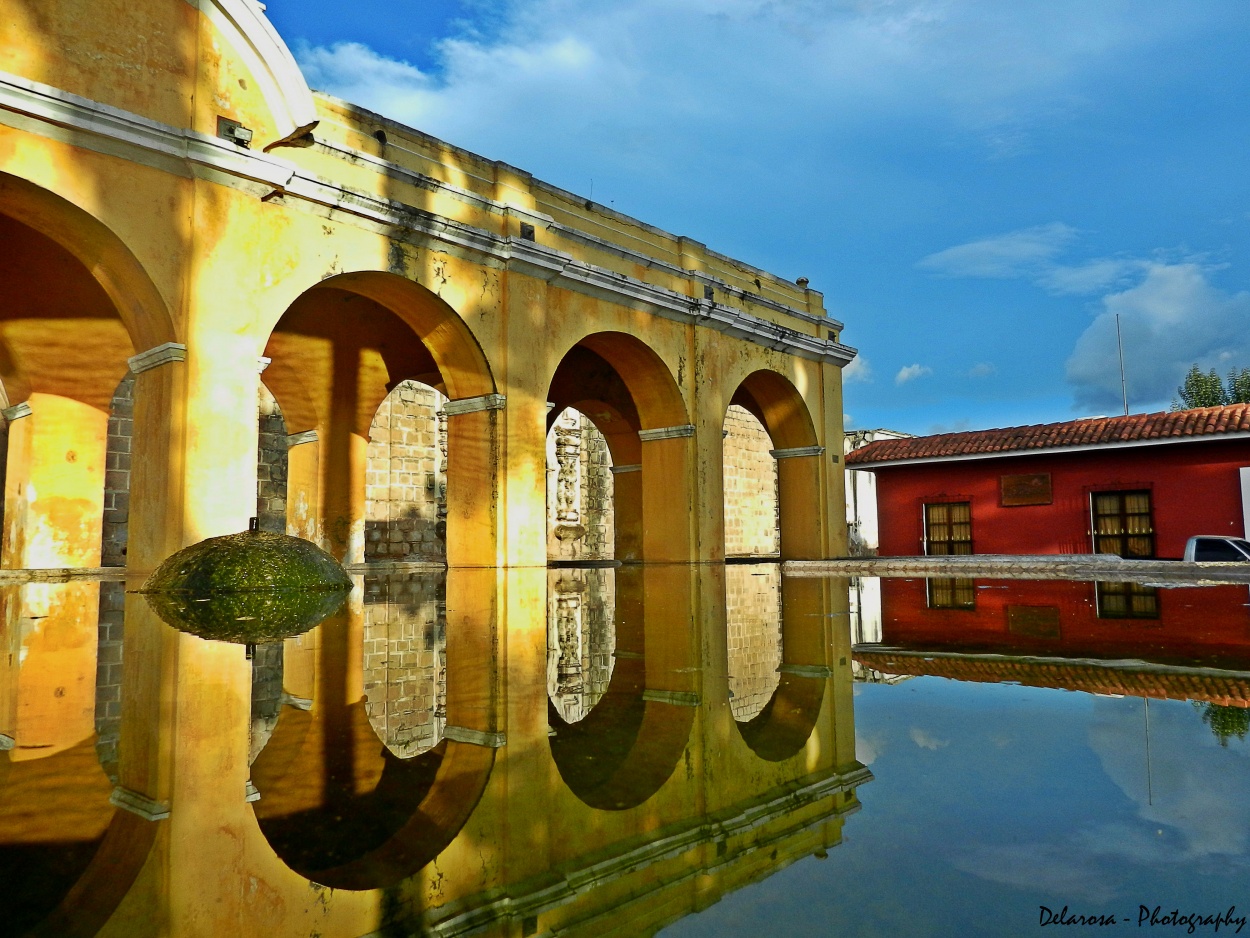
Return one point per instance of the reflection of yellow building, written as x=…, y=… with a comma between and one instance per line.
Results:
x=500, y=829
x=176, y=203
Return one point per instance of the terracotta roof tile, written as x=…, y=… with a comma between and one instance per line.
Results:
x=1094, y=431
x=1228, y=689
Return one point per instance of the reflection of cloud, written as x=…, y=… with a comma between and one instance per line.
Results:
x=925, y=741
x=1048, y=868
x=868, y=750
x=911, y=372
x=1195, y=795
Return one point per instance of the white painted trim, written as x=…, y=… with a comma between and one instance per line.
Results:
x=162, y=354
x=471, y=405
x=59, y=115
x=666, y=433
x=243, y=24
x=796, y=451
x=250, y=792
x=1245, y=501
x=139, y=804
x=462, y=734
x=674, y=698
x=16, y=412
x=299, y=439
x=633, y=467
x=1048, y=450
x=262, y=363
x=818, y=671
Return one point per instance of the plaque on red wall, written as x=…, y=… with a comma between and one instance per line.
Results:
x=1034, y=621
x=1031, y=489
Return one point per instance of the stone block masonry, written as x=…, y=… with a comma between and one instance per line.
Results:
x=753, y=627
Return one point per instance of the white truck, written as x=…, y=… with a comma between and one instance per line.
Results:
x=1208, y=548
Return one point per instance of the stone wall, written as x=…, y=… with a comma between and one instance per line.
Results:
x=117, y=474
x=405, y=660
x=406, y=477
x=271, y=465
x=580, y=518
x=581, y=639
x=108, y=675
x=753, y=626
x=751, y=502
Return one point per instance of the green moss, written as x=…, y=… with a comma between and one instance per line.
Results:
x=253, y=560
x=248, y=588
x=247, y=617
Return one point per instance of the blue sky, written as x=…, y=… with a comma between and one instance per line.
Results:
x=978, y=187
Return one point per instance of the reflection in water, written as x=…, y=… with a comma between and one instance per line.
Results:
x=403, y=753
x=581, y=638
x=753, y=615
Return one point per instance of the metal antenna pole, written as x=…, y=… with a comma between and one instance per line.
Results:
x=1120, y=348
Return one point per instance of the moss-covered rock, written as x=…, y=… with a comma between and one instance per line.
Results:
x=248, y=588
x=247, y=617
x=252, y=560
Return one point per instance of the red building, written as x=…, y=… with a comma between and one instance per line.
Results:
x=1137, y=486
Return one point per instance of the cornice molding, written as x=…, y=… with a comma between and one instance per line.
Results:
x=50, y=112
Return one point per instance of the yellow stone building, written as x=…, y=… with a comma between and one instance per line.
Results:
x=182, y=218
x=175, y=202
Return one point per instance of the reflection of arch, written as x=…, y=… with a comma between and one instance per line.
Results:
x=67, y=856
x=628, y=745
x=336, y=352
x=630, y=395
x=336, y=805
x=777, y=404
x=782, y=728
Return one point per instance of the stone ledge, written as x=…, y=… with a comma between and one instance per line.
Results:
x=1029, y=567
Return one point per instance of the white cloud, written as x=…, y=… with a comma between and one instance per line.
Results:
x=926, y=741
x=624, y=82
x=911, y=373
x=1025, y=252
x=1173, y=318
x=847, y=421
x=858, y=370
x=982, y=370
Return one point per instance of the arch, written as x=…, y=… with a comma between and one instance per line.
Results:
x=775, y=402
x=626, y=390
x=134, y=296
x=459, y=358
x=781, y=729
x=337, y=351
x=628, y=745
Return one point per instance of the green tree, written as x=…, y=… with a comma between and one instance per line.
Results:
x=1200, y=390
x=1225, y=722
x=1238, y=390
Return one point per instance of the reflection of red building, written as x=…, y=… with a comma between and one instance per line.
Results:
x=1198, y=625
x=1138, y=486
x=1051, y=634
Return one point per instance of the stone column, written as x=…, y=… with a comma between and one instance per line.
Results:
x=799, y=491
x=668, y=504
x=474, y=466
